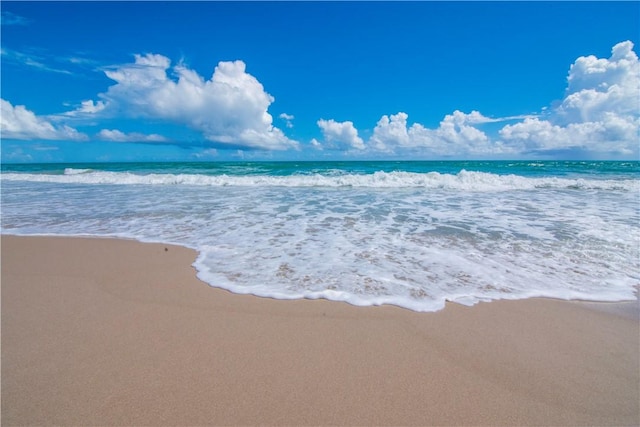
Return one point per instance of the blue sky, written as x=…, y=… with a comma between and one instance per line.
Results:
x=137, y=81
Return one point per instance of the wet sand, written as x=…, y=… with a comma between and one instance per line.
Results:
x=116, y=332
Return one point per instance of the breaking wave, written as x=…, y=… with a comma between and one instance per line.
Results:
x=464, y=180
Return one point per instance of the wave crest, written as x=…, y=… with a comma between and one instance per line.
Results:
x=463, y=181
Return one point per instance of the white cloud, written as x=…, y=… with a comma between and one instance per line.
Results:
x=391, y=131
x=19, y=123
x=454, y=136
x=599, y=114
x=598, y=86
x=600, y=111
x=340, y=135
x=90, y=107
x=230, y=108
x=457, y=129
x=87, y=109
x=119, y=136
x=589, y=72
x=611, y=134
x=288, y=118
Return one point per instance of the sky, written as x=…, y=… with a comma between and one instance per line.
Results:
x=207, y=81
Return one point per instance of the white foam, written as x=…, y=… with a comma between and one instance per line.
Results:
x=413, y=240
x=464, y=180
x=72, y=171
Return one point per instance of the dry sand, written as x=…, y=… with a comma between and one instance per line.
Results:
x=114, y=332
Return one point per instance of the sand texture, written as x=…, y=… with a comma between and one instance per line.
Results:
x=116, y=332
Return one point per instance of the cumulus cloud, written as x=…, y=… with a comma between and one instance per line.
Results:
x=455, y=135
x=458, y=129
x=589, y=72
x=613, y=133
x=288, y=118
x=87, y=109
x=391, y=131
x=119, y=136
x=340, y=135
x=316, y=144
x=90, y=107
x=20, y=123
x=600, y=111
x=230, y=108
x=600, y=114
x=597, y=86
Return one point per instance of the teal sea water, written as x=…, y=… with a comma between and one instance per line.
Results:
x=413, y=234
x=602, y=169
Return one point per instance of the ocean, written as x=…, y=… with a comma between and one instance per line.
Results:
x=413, y=234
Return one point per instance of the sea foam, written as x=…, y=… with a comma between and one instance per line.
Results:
x=411, y=239
x=464, y=180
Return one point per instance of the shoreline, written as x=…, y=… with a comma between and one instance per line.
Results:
x=631, y=308
x=113, y=331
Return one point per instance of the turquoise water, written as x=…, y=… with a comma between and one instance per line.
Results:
x=413, y=234
x=524, y=168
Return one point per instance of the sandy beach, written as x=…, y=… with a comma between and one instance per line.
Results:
x=117, y=332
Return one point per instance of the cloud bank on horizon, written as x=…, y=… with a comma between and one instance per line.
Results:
x=599, y=116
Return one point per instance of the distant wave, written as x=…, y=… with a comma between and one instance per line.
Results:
x=463, y=181
x=72, y=171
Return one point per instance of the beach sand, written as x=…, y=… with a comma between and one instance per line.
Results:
x=116, y=332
